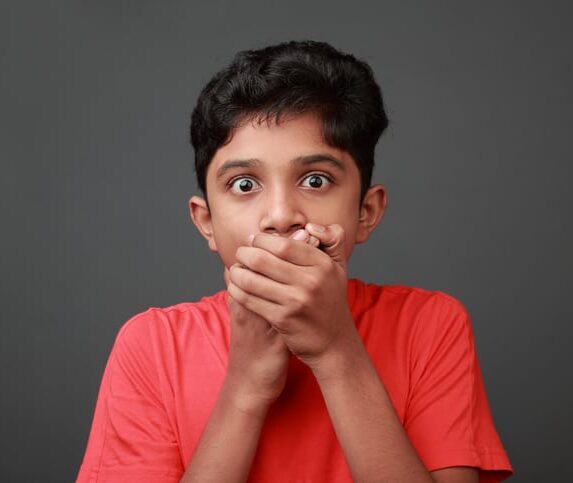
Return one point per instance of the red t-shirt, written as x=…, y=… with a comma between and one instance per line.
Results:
x=167, y=366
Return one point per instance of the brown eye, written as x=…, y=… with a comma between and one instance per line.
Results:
x=243, y=185
x=316, y=181
x=246, y=185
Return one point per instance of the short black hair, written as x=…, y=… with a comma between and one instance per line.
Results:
x=292, y=78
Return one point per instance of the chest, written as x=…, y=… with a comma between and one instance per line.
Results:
x=297, y=437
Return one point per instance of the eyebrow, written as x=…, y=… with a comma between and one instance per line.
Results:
x=319, y=158
x=302, y=160
x=237, y=163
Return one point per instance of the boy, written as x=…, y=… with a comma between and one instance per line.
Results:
x=294, y=373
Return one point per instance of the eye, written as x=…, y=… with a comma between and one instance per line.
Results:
x=316, y=181
x=243, y=185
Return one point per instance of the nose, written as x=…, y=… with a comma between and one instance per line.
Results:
x=282, y=213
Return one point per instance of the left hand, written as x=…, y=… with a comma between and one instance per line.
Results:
x=299, y=289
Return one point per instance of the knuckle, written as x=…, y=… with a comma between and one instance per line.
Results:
x=283, y=248
x=296, y=303
x=280, y=320
x=257, y=259
x=312, y=284
x=249, y=283
x=240, y=254
x=328, y=268
x=282, y=327
x=250, y=257
x=301, y=301
x=305, y=301
x=234, y=274
x=244, y=279
x=236, y=293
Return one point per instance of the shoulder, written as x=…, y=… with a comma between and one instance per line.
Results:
x=403, y=297
x=173, y=322
x=410, y=314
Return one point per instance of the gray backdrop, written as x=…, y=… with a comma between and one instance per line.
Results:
x=97, y=171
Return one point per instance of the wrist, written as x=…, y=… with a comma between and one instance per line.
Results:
x=233, y=393
x=346, y=358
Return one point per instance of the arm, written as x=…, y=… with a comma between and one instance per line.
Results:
x=312, y=316
x=373, y=440
x=256, y=374
x=302, y=293
x=229, y=442
x=132, y=438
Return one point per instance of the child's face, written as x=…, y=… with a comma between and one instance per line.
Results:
x=276, y=178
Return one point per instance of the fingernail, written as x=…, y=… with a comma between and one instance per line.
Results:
x=300, y=235
x=313, y=241
x=317, y=228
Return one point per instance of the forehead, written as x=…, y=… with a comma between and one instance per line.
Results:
x=277, y=144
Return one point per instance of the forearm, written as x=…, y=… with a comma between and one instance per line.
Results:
x=229, y=442
x=374, y=442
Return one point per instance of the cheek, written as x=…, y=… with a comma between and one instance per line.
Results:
x=230, y=234
x=332, y=213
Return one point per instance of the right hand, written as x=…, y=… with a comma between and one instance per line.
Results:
x=258, y=359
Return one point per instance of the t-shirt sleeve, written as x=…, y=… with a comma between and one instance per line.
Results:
x=448, y=419
x=131, y=438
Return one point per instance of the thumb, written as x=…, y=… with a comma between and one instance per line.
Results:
x=331, y=239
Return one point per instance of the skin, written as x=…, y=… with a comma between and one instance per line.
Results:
x=276, y=191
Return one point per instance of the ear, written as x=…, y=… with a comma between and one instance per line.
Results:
x=371, y=211
x=201, y=216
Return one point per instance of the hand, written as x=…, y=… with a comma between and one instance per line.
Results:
x=300, y=290
x=258, y=359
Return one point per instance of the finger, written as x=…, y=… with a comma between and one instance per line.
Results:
x=313, y=241
x=303, y=235
x=332, y=240
x=258, y=285
x=290, y=250
x=262, y=308
x=265, y=263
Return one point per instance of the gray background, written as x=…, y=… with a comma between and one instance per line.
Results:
x=97, y=170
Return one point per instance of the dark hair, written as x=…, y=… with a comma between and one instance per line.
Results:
x=292, y=78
